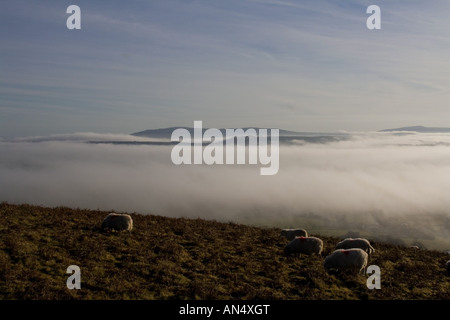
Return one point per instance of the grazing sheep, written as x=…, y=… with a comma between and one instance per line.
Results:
x=305, y=245
x=360, y=243
x=349, y=260
x=290, y=234
x=447, y=266
x=118, y=222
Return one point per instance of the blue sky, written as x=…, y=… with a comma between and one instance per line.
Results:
x=297, y=65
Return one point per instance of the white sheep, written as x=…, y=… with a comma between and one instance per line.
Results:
x=118, y=222
x=349, y=260
x=290, y=234
x=305, y=245
x=360, y=243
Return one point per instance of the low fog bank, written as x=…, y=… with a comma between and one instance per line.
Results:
x=79, y=137
x=381, y=183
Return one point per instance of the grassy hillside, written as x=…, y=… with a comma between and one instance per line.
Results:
x=168, y=258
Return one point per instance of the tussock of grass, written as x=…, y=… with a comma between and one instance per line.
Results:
x=168, y=258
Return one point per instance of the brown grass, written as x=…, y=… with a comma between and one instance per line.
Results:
x=178, y=258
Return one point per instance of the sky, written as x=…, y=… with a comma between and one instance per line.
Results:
x=296, y=65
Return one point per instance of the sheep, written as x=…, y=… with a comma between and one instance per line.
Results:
x=118, y=222
x=360, y=243
x=305, y=245
x=343, y=260
x=447, y=266
x=290, y=234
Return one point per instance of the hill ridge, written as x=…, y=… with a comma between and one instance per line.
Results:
x=183, y=258
x=421, y=129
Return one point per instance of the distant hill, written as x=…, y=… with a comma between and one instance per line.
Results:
x=166, y=133
x=285, y=136
x=419, y=129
